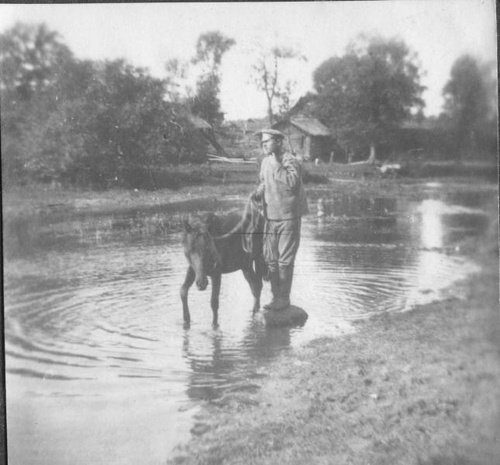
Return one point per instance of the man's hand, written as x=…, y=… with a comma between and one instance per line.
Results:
x=278, y=158
x=288, y=173
x=255, y=197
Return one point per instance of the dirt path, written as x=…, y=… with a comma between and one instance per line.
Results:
x=420, y=388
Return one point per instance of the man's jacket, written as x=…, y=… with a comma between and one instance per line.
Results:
x=281, y=188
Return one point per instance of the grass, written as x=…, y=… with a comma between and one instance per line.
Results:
x=416, y=388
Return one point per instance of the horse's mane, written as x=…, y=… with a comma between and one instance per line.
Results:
x=254, y=225
x=233, y=223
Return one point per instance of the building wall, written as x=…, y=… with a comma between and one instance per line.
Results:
x=304, y=145
x=317, y=148
x=321, y=147
x=297, y=139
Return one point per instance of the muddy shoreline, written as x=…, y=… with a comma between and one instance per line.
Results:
x=420, y=387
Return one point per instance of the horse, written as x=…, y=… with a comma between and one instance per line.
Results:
x=218, y=244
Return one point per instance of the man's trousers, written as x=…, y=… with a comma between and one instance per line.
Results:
x=281, y=242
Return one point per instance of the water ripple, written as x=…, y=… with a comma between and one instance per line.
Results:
x=120, y=300
x=102, y=306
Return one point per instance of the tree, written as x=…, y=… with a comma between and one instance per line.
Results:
x=96, y=124
x=175, y=81
x=469, y=103
x=117, y=130
x=32, y=62
x=85, y=122
x=268, y=76
x=31, y=57
x=364, y=94
x=210, y=49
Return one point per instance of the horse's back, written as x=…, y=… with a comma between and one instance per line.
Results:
x=230, y=231
x=221, y=224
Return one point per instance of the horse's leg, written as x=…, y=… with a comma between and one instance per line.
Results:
x=216, y=280
x=261, y=268
x=188, y=281
x=255, y=281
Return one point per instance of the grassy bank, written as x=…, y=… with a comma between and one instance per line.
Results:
x=217, y=181
x=38, y=198
x=420, y=388
x=36, y=213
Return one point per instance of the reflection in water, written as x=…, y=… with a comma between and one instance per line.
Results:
x=217, y=366
x=92, y=312
x=210, y=370
x=346, y=219
x=443, y=224
x=431, y=225
x=440, y=225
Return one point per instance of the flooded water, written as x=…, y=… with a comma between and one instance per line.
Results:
x=99, y=368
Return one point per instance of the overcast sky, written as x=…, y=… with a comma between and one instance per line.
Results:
x=147, y=35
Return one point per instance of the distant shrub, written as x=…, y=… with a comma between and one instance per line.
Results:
x=311, y=178
x=153, y=178
x=106, y=133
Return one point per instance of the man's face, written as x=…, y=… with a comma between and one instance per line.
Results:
x=269, y=144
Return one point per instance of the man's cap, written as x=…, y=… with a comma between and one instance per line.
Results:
x=272, y=132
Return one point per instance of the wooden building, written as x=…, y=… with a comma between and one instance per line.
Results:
x=308, y=137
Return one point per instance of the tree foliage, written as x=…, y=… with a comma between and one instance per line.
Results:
x=210, y=49
x=32, y=57
x=175, y=81
x=83, y=122
x=269, y=77
x=469, y=108
x=364, y=94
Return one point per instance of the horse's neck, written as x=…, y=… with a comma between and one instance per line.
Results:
x=236, y=223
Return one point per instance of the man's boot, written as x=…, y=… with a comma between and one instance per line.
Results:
x=274, y=279
x=285, y=274
x=286, y=279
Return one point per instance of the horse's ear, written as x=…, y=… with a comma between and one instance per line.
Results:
x=187, y=227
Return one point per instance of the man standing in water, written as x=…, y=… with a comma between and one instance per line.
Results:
x=283, y=197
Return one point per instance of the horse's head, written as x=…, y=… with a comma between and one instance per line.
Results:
x=200, y=251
